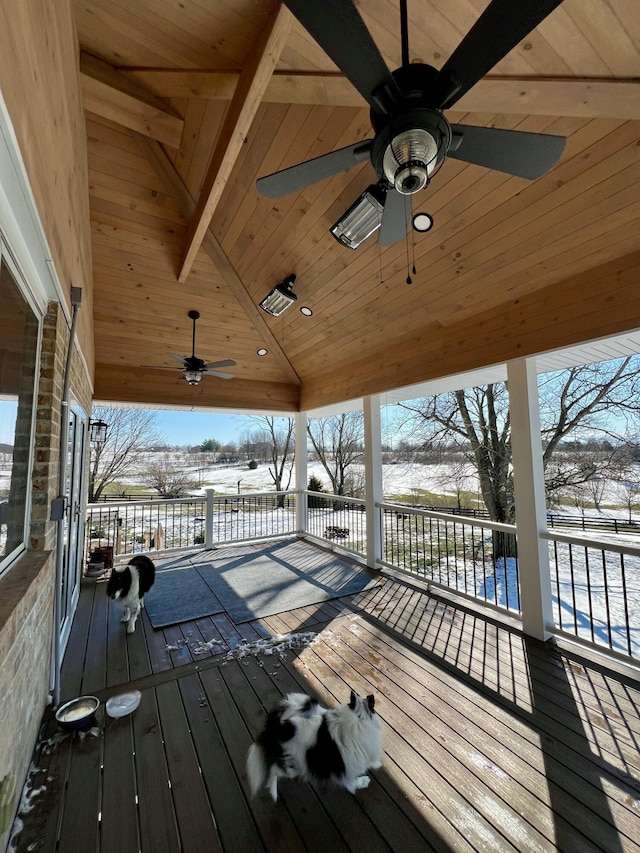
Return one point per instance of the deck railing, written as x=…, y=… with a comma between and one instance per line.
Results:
x=167, y=525
x=338, y=519
x=596, y=591
x=473, y=556
x=595, y=584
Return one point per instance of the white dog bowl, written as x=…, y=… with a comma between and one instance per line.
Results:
x=123, y=703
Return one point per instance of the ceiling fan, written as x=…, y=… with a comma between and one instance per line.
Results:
x=194, y=367
x=412, y=136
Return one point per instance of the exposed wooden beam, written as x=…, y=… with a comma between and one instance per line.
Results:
x=247, y=97
x=185, y=83
x=179, y=192
x=579, y=97
x=109, y=94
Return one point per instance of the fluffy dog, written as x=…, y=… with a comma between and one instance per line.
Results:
x=303, y=740
x=129, y=584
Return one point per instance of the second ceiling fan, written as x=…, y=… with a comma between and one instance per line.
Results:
x=194, y=368
x=412, y=136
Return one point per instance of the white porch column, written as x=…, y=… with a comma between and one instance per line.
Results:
x=302, y=479
x=528, y=475
x=208, y=522
x=373, y=475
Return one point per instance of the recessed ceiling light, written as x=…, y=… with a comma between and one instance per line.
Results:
x=262, y=351
x=422, y=222
x=306, y=311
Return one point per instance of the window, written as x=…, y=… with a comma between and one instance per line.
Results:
x=19, y=337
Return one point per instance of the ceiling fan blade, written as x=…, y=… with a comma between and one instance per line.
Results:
x=176, y=356
x=227, y=362
x=502, y=25
x=340, y=31
x=302, y=175
x=526, y=155
x=219, y=374
x=395, y=217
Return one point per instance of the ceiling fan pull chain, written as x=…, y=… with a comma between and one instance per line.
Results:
x=413, y=243
x=408, y=204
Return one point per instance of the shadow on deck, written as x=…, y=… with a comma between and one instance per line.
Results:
x=492, y=741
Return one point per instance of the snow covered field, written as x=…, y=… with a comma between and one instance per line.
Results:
x=397, y=479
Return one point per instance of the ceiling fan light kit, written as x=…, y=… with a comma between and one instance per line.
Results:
x=412, y=136
x=407, y=156
x=192, y=376
x=280, y=298
x=362, y=218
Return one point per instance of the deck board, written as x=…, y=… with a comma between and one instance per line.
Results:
x=492, y=741
x=156, y=816
x=119, y=825
x=188, y=790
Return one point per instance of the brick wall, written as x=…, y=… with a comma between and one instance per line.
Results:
x=26, y=616
x=27, y=588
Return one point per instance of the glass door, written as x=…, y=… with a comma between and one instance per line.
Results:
x=73, y=539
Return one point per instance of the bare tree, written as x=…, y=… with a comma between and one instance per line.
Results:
x=477, y=420
x=276, y=436
x=167, y=478
x=591, y=399
x=455, y=474
x=337, y=441
x=129, y=432
x=626, y=476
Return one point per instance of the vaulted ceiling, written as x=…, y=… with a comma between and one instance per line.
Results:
x=188, y=103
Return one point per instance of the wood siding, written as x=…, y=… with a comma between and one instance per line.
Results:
x=40, y=85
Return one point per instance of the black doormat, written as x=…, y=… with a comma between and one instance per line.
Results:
x=180, y=595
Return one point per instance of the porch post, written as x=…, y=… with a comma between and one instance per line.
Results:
x=373, y=476
x=528, y=476
x=208, y=522
x=301, y=471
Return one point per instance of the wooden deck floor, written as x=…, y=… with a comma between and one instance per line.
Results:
x=492, y=742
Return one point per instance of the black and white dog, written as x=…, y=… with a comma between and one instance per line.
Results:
x=129, y=584
x=303, y=740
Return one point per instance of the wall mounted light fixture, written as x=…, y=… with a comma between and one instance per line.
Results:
x=280, y=298
x=98, y=431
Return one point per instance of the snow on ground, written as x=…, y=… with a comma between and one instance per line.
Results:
x=400, y=478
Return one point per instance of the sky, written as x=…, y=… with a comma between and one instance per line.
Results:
x=195, y=427
x=178, y=428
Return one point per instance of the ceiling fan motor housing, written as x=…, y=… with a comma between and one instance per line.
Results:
x=414, y=137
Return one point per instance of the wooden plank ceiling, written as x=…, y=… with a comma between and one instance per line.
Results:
x=188, y=103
